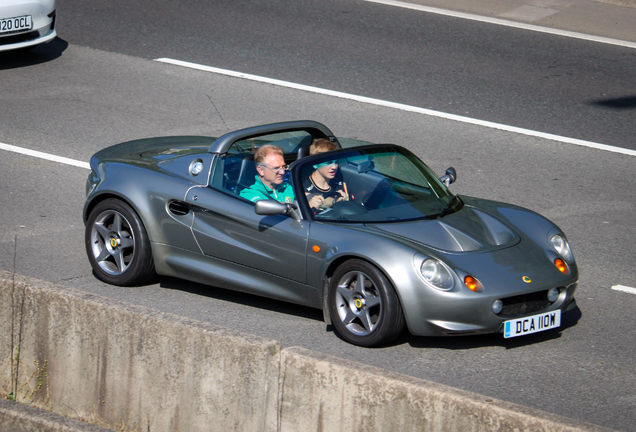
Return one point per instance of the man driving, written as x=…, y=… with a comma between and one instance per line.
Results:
x=270, y=184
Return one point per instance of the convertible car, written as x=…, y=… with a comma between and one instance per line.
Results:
x=400, y=250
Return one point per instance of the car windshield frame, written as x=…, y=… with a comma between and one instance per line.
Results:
x=406, y=189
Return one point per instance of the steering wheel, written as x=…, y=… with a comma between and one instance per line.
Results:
x=343, y=209
x=331, y=194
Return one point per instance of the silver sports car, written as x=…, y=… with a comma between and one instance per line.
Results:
x=365, y=232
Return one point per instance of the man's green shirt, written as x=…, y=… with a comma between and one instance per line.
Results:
x=283, y=193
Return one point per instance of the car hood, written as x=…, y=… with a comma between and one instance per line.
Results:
x=468, y=230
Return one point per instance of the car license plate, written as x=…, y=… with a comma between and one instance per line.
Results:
x=532, y=324
x=10, y=25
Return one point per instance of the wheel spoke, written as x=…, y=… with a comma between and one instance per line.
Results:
x=345, y=292
x=119, y=260
x=372, y=301
x=117, y=224
x=103, y=254
x=366, y=321
x=360, y=279
x=349, y=317
x=102, y=231
x=126, y=242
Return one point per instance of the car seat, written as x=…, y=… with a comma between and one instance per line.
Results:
x=246, y=174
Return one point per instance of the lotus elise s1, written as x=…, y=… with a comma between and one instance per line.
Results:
x=400, y=251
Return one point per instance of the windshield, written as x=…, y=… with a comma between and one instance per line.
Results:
x=378, y=183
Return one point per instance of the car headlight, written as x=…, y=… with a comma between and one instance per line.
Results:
x=437, y=274
x=562, y=247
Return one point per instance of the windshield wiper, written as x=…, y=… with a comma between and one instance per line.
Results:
x=449, y=206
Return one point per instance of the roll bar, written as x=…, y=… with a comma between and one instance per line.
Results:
x=315, y=129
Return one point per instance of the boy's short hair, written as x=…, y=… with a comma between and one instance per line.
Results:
x=321, y=145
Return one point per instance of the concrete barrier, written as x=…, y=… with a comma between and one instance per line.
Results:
x=87, y=356
x=333, y=394
x=17, y=417
x=133, y=368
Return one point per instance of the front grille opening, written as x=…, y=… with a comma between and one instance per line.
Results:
x=24, y=37
x=525, y=304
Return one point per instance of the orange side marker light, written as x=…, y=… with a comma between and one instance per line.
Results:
x=472, y=284
x=561, y=265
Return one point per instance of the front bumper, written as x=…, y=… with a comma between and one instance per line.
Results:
x=475, y=316
x=45, y=33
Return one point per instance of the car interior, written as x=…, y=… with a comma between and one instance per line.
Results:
x=237, y=169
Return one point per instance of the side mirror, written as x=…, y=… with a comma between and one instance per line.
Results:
x=366, y=166
x=449, y=177
x=270, y=207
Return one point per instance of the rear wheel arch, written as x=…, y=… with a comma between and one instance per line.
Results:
x=102, y=197
x=143, y=215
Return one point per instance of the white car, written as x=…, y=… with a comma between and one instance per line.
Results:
x=26, y=23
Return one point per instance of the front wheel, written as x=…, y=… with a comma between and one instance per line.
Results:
x=117, y=244
x=363, y=305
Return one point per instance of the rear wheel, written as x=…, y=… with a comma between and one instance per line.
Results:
x=117, y=244
x=363, y=305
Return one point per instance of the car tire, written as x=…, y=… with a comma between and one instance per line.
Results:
x=363, y=305
x=117, y=244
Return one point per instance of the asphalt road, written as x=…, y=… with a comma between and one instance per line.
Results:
x=564, y=86
x=71, y=101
